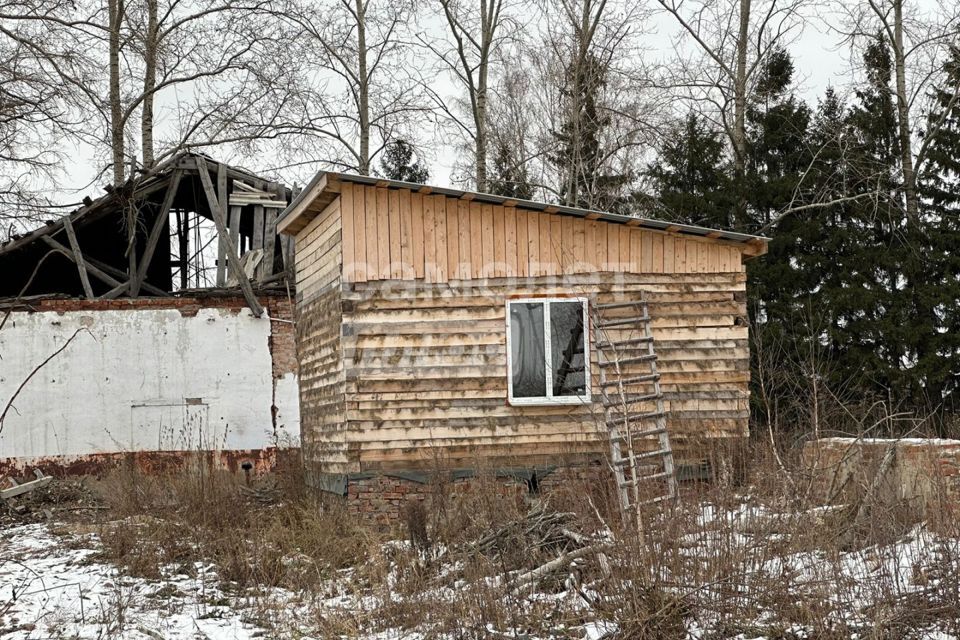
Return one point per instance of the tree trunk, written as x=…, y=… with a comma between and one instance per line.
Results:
x=903, y=115
x=739, y=117
x=487, y=28
x=149, y=81
x=115, y=10
x=364, y=89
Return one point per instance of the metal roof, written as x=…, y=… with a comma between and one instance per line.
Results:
x=325, y=180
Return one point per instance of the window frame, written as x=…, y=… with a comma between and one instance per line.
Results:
x=550, y=399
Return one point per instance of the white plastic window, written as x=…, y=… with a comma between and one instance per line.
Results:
x=548, y=357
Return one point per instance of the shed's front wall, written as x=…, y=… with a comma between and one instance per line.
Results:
x=426, y=371
x=416, y=376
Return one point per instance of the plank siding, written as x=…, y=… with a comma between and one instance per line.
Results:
x=425, y=369
x=399, y=378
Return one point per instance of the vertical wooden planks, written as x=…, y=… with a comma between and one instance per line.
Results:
x=440, y=236
x=360, y=233
x=383, y=233
x=510, y=224
x=639, y=254
x=533, y=244
x=396, y=241
x=600, y=239
x=546, y=251
x=566, y=244
x=680, y=254
x=453, y=240
x=476, y=240
x=370, y=208
x=646, y=253
x=463, y=220
x=406, y=232
x=347, y=231
x=657, y=262
x=556, y=245
x=669, y=256
x=590, y=245
x=416, y=234
x=625, y=254
x=613, y=247
x=579, y=243
x=523, y=248
x=429, y=240
x=487, y=240
x=499, y=242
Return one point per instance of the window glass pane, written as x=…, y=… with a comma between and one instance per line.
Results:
x=527, y=350
x=566, y=343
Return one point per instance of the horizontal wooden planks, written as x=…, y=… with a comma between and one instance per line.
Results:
x=424, y=368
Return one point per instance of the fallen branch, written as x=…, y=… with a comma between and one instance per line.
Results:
x=535, y=575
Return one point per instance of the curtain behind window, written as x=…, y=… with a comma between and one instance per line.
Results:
x=527, y=350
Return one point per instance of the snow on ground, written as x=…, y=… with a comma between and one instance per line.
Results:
x=54, y=584
x=53, y=587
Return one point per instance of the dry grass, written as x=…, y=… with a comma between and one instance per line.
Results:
x=762, y=558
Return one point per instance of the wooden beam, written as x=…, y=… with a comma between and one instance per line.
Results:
x=258, y=236
x=221, y=239
x=155, y=231
x=78, y=257
x=220, y=222
x=269, y=242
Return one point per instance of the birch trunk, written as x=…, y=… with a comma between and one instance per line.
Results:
x=739, y=115
x=903, y=114
x=149, y=82
x=115, y=10
x=363, y=89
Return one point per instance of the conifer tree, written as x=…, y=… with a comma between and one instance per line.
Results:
x=690, y=175
x=508, y=175
x=399, y=163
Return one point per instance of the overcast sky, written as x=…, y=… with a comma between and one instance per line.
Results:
x=821, y=61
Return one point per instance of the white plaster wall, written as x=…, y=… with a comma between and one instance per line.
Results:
x=142, y=380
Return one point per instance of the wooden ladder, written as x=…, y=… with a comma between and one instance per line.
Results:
x=640, y=453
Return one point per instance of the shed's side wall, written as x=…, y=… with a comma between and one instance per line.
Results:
x=425, y=369
x=394, y=234
x=319, y=262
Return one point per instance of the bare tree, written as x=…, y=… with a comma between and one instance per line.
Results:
x=720, y=53
x=356, y=91
x=476, y=29
x=601, y=85
x=37, y=111
x=919, y=42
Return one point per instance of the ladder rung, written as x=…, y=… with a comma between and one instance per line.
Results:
x=633, y=360
x=620, y=305
x=623, y=321
x=639, y=434
x=655, y=476
x=656, y=500
x=636, y=416
x=605, y=344
x=630, y=398
x=648, y=377
x=643, y=456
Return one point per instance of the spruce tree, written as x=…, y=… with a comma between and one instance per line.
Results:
x=508, y=175
x=690, y=177
x=399, y=163
x=938, y=348
x=587, y=179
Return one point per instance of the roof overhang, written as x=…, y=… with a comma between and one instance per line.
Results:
x=325, y=186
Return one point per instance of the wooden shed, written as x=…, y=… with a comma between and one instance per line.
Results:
x=434, y=327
